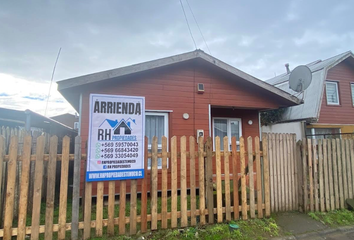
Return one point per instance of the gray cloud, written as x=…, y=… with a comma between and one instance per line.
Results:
x=255, y=36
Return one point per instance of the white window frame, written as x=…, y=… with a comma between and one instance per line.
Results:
x=351, y=89
x=166, y=127
x=336, y=84
x=228, y=129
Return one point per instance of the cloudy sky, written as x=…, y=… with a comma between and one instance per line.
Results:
x=258, y=37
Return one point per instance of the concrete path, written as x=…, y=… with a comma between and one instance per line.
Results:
x=303, y=227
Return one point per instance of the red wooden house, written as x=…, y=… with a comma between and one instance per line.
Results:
x=184, y=94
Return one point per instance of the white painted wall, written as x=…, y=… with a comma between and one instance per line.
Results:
x=292, y=127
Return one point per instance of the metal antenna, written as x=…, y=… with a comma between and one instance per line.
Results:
x=51, y=81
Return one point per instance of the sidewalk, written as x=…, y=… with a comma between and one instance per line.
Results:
x=303, y=227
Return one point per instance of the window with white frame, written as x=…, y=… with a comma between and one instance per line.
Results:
x=332, y=93
x=352, y=87
x=230, y=127
x=156, y=124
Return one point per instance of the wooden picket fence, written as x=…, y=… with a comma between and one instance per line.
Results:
x=284, y=168
x=210, y=193
x=328, y=173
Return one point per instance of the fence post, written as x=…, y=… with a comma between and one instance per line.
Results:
x=11, y=182
x=143, y=224
x=218, y=180
x=259, y=178
x=209, y=180
x=2, y=154
x=76, y=190
x=251, y=176
x=227, y=179
x=299, y=177
x=243, y=180
x=164, y=221
x=201, y=180
x=192, y=180
x=235, y=179
x=22, y=211
x=265, y=142
x=153, y=184
x=183, y=172
x=174, y=182
x=52, y=165
x=63, y=187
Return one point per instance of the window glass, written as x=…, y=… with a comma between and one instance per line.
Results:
x=230, y=127
x=235, y=129
x=327, y=133
x=220, y=130
x=332, y=93
x=156, y=124
x=323, y=133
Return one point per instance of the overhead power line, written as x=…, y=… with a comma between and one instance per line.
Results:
x=201, y=33
x=190, y=31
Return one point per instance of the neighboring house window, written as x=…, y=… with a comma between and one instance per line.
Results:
x=323, y=133
x=352, y=86
x=156, y=124
x=230, y=127
x=332, y=93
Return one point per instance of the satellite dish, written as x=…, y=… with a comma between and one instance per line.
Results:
x=300, y=78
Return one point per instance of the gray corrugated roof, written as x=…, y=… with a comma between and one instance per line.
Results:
x=313, y=94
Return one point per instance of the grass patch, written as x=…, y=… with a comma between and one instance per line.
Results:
x=334, y=218
x=252, y=229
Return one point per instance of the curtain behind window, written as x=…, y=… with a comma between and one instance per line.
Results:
x=220, y=130
x=154, y=126
x=331, y=92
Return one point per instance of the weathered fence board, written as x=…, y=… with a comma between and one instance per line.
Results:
x=10, y=189
x=227, y=179
x=37, y=192
x=266, y=175
x=164, y=184
x=153, y=192
x=259, y=178
x=63, y=187
x=243, y=179
x=174, y=182
x=201, y=180
x=218, y=180
x=340, y=174
x=192, y=180
x=76, y=190
x=184, y=219
x=52, y=164
x=99, y=209
x=235, y=179
x=320, y=170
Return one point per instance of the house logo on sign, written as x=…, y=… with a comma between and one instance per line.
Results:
x=115, y=128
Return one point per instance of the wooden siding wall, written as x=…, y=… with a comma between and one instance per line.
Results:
x=344, y=113
x=174, y=88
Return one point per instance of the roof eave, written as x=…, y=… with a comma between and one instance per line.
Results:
x=150, y=65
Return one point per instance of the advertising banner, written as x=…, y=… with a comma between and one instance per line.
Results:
x=116, y=138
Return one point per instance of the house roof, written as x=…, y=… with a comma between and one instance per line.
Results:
x=64, y=86
x=18, y=118
x=312, y=97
